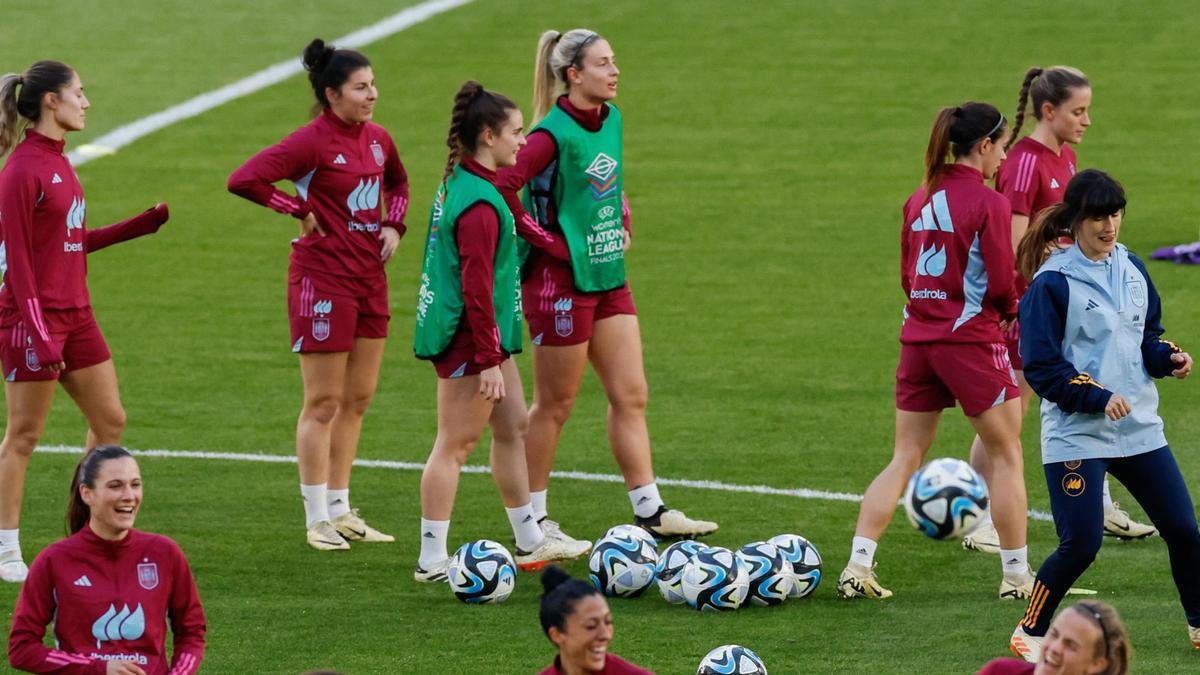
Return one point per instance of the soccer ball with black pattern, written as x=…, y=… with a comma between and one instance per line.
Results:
x=945, y=498
x=805, y=560
x=769, y=576
x=634, y=530
x=622, y=565
x=481, y=572
x=669, y=571
x=715, y=580
x=731, y=660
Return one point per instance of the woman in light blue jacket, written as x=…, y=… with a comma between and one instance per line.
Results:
x=1091, y=338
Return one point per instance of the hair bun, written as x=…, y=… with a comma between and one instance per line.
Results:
x=553, y=577
x=317, y=55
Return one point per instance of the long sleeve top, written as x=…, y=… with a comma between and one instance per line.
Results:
x=43, y=222
x=956, y=261
x=108, y=600
x=342, y=173
x=476, y=234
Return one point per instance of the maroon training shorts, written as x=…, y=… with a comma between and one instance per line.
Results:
x=932, y=376
x=73, y=331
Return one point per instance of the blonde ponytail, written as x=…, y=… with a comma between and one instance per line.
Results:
x=10, y=119
x=556, y=52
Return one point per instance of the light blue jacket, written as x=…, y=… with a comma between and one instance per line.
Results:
x=1090, y=329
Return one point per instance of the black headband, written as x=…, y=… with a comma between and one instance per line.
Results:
x=1089, y=610
x=582, y=46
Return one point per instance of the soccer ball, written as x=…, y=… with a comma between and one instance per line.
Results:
x=622, y=565
x=634, y=530
x=769, y=575
x=482, y=571
x=731, y=660
x=669, y=571
x=945, y=498
x=805, y=560
x=714, y=580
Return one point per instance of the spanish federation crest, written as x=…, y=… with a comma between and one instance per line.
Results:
x=377, y=152
x=148, y=575
x=31, y=360
x=1137, y=293
x=564, y=325
x=320, y=329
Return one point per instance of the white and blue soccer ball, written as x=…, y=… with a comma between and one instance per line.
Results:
x=945, y=498
x=769, y=576
x=805, y=561
x=669, y=571
x=714, y=580
x=632, y=530
x=731, y=660
x=482, y=571
x=622, y=565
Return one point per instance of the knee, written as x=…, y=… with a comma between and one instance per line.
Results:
x=20, y=440
x=111, y=425
x=320, y=409
x=511, y=431
x=1183, y=532
x=632, y=398
x=557, y=408
x=356, y=404
x=457, y=448
x=1081, y=550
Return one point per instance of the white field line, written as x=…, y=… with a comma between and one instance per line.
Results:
x=800, y=493
x=124, y=135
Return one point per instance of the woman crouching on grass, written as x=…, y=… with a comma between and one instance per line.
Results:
x=576, y=618
x=469, y=325
x=108, y=589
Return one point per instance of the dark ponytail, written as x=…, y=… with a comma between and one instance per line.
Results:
x=955, y=132
x=21, y=97
x=560, y=593
x=1090, y=194
x=1047, y=85
x=474, y=110
x=78, y=512
x=329, y=67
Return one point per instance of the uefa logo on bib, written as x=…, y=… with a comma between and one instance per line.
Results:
x=602, y=177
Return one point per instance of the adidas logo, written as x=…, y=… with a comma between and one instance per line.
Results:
x=861, y=551
x=56, y=180
x=1013, y=561
x=429, y=535
x=1053, y=184
x=527, y=519
x=340, y=159
x=84, y=582
x=337, y=501
x=1091, y=304
x=643, y=500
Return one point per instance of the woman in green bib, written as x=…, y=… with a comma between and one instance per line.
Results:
x=576, y=298
x=469, y=325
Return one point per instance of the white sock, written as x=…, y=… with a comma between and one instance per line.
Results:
x=538, y=498
x=339, y=502
x=433, y=542
x=1108, y=502
x=10, y=540
x=525, y=527
x=645, y=500
x=316, y=508
x=1015, y=561
x=862, y=552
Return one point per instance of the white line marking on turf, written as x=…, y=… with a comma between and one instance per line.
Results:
x=801, y=493
x=124, y=135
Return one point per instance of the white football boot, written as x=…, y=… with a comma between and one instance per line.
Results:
x=552, y=530
x=353, y=528
x=12, y=567
x=984, y=539
x=668, y=523
x=324, y=537
x=551, y=550
x=1017, y=586
x=1194, y=634
x=854, y=582
x=1025, y=646
x=437, y=572
x=1117, y=523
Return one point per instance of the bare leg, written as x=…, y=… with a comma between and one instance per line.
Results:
x=616, y=354
x=915, y=432
x=979, y=456
x=462, y=415
x=557, y=374
x=1000, y=429
x=510, y=422
x=324, y=377
x=28, y=407
x=362, y=375
x=94, y=389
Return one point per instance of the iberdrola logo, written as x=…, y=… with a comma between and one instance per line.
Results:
x=76, y=214
x=122, y=625
x=364, y=197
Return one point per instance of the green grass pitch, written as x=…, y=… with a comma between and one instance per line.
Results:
x=770, y=146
